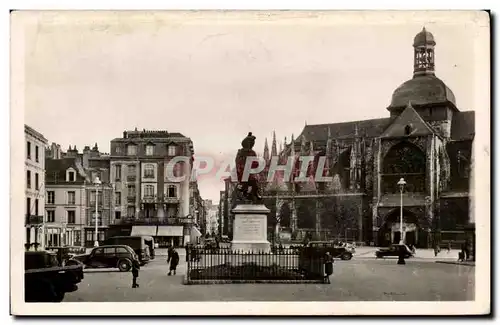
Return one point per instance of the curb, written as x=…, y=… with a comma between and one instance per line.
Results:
x=195, y=282
x=457, y=263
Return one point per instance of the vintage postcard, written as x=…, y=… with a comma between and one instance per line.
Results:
x=250, y=163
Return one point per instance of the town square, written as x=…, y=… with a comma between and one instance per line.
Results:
x=172, y=159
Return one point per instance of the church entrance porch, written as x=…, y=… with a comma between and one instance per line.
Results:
x=413, y=234
x=410, y=233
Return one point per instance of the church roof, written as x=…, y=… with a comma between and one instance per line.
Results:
x=366, y=128
x=424, y=38
x=422, y=90
x=463, y=125
x=462, y=128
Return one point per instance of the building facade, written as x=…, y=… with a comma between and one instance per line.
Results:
x=65, y=206
x=212, y=214
x=148, y=197
x=97, y=166
x=34, y=169
x=426, y=140
x=71, y=200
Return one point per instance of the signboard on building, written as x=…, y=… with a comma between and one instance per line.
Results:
x=35, y=220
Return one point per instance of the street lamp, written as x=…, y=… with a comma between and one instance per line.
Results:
x=97, y=182
x=401, y=184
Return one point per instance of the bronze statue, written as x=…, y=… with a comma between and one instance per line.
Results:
x=247, y=190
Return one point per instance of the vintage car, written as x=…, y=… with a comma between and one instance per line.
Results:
x=393, y=251
x=108, y=256
x=45, y=280
x=65, y=253
x=337, y=251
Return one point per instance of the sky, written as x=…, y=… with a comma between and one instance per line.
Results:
x=216, y=76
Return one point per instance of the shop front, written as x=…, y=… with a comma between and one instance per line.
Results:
x=169, y=236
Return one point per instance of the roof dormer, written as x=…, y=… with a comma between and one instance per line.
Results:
x=70, y=175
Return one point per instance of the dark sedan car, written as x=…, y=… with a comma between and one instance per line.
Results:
x=321, y=247
x=108, y=256
x=393, y=251
x=65, y=253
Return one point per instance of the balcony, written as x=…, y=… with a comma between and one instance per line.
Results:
x=131, y=199
x=149, y=199
x=131, y=178
x=150, y=221
x=170, y=199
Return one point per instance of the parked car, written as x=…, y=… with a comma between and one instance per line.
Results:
x=45, y=280
x=349, y=247
x=65, y=253
x=108, y=256
x=321, y=247
x=143, y=246
x=393, y=250
x=210, y=244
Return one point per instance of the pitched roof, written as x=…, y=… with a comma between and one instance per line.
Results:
x=366, y=128
x=55, y=171
x=409, y=117
x=463, y=125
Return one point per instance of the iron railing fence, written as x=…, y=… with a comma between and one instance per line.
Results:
x=227, y=264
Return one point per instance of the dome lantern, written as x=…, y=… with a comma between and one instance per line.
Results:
x=423, y=45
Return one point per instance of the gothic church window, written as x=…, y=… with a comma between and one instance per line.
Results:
x=404, y=160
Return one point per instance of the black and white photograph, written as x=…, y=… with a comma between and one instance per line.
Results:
x=322, y=162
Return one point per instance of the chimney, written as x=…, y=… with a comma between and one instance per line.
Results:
x=85, y=158
x=55, y=151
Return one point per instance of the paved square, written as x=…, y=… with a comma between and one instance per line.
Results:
x=356, y=280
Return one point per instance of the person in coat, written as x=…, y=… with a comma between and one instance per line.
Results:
x=135, y=272
x=328, y=267
x=174, y=261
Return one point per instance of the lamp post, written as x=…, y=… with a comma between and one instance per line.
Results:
x=401, y=184
x=97, y=182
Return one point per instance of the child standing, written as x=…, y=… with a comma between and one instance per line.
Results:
x=135, y=272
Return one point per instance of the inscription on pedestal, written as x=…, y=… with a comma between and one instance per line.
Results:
x=250, y=227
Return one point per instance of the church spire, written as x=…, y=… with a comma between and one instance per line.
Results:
x=303, y=145
x=266, y=151
x=329, y=144
x=274, y=150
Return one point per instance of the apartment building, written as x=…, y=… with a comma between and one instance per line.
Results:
x=34, y=166
x=146, y=201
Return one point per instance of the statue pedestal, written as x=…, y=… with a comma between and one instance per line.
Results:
x=250, y=228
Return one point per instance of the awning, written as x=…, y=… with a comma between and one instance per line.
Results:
x=171, y=231
x=143, y=231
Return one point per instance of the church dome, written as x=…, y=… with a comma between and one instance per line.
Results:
x=422, y=90
x=424, y=38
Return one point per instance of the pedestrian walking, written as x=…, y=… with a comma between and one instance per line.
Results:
x=169, y=251
x=328, y=267
x=436, y=250
x=135, y=272
x=174, y=261
x=449, y=247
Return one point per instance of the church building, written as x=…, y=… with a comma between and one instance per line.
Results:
x=425, y=140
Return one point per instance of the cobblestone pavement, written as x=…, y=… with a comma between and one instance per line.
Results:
x=360, y=279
